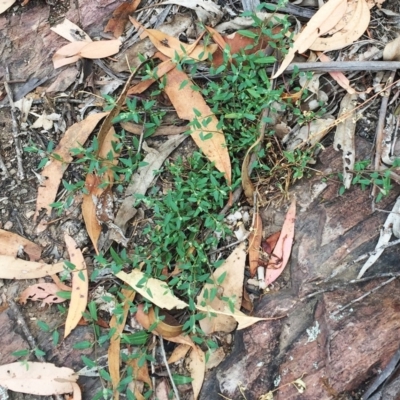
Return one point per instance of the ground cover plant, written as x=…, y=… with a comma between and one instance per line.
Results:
x=179, y=267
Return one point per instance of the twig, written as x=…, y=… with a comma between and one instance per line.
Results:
x=167, y=367
x=363, y=296
x=352, y=282
x=379, y=132
x=15, y=128
x=30, y=339
x=333, y=66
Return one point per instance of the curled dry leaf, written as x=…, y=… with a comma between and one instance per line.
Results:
x=344, y=137
x=178, y=353
x=45, y=292
x=197, y=367
x=13, y=245
x=254, y=244
x=384, y=238
x=352, y=30
x=283, y=247
x=68, y=30
x=15, y=268
x=167, y=328
x=52, y=173
x=322, y=21
x=80, y=286
x=41, y=379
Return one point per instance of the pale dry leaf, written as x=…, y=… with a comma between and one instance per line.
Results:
x=352, y=31
x=391, y=52
x=68, y=30
x=345, y=136
x=5, y=5
x=44, y=292
x=80, y=286
x=13, y=245
x=322, y=21
x=243, y=320
x=143, y=178
x=384, y=238
x=100, y=49
x=197, y=368
x=41, y=379
x=52, y=173
x=15, y=268
x=311, y=133
x=154, y=290
x=215, y=358
x=283, y=248
x=68, y=54
x=190, y=105
x=231, y=287
x=255, y=244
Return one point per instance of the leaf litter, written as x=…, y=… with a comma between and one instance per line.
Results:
x=336, y=24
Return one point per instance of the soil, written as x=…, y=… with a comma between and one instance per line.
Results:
x=327, y=334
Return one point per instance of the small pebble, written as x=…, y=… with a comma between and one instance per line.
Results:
x=8, y=225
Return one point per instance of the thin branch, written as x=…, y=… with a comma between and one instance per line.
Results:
x=167, y=367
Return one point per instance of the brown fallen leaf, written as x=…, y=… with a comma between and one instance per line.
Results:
x=167, y=328
x=352, y=29
x=321, y=22
x=283, y=248
x=254, y=244
x=114, y=349
x=41, y=379
x=52, y=173
x=15, y=268
x=120, y=17
x=191, y=106
x=231, y=286
x=197, y=367
x=80, y=286
x=44, y=292
x=92, y=183
x=12, y=244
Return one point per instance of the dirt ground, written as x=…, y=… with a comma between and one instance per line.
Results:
x=335, y=335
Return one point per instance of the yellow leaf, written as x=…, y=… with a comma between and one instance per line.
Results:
x=80, y=286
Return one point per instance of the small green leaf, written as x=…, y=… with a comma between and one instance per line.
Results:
x=82, y=345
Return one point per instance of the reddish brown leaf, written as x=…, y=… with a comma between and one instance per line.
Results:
x=12, y=244
x=120, y=17
x=254, y=244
